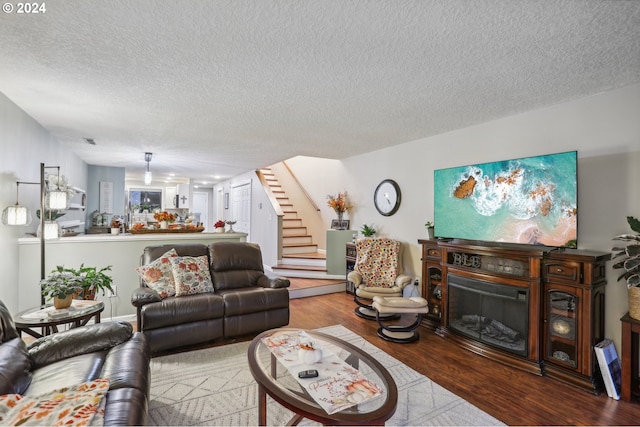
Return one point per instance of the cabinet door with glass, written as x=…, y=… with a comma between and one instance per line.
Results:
x=562, y=325
x=432, y=289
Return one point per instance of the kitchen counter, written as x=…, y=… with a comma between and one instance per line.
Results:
x=121, y=251
x=86, y=238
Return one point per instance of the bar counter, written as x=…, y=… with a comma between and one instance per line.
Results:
x=121, y=251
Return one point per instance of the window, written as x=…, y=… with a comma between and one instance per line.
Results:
x=141, y=199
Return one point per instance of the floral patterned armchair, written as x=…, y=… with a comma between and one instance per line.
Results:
x=376, y=273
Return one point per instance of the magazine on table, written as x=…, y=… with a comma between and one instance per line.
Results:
x=338, y=385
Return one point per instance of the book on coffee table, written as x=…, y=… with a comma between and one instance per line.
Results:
x=338, y=385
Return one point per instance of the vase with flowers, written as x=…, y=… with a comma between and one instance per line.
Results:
x=219, y=226
x=164, y=218
x=339, y=204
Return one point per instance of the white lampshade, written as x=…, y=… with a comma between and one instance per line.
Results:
x=147, y=177
x=57, y=200
x=51, y=230
x=16, y=215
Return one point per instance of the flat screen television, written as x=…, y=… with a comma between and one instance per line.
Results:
x=532, y=200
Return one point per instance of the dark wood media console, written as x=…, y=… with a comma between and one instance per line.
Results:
x=548, y=301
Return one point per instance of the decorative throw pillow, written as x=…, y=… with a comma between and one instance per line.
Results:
x=191, y=275
x=70, y=406
x=158, y=275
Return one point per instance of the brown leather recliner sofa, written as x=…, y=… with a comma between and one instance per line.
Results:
x=244, y=301
x=104, y=350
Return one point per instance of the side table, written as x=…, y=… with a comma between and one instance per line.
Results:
x=629, y=358
x=77, y=315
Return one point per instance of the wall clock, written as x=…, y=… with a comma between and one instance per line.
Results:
x=387, y=197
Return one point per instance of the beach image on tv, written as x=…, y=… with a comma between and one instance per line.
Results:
x=531, y=200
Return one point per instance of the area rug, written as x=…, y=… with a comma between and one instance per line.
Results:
x=214, y=387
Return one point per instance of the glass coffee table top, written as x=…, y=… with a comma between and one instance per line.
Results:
x=275, y=380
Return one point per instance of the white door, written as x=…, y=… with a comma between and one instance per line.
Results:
x=241, y=207
x=219, y=205
x=201, y=206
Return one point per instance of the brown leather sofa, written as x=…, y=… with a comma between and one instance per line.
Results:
x=244, y=301
x=104, y=350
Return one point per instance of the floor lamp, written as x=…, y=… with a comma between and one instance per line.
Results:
x=20, y=215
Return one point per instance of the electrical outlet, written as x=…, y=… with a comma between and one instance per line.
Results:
x=110, y=294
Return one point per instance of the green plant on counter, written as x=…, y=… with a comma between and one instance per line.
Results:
x=367, y=230
x=50, y=214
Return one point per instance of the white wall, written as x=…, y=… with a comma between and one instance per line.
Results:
x=24, y=145
x=604, y=129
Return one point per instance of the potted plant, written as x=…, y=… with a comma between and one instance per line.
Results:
x=629, y=260
x=60, y=285
x=368, y=230
x=93, y=280
x=430, y=228
x=164, y=218
x=219, y=226
x=115, y=226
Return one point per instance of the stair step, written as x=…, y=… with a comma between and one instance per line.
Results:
x=297, y=240
x=291, y=222
x=292, y=231
x=299, y=267
x=298, y=248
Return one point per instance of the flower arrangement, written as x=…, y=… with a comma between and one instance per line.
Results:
x=164, y=216
x=219, y=224
x=339, y=203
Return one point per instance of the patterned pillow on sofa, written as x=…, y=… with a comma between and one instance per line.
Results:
x=158, y=275
x=191, y=275
x=82, y=404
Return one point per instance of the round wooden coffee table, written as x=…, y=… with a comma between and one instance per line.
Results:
x=48, y=319
x=275, y=380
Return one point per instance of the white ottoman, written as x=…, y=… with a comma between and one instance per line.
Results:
x=385, y=306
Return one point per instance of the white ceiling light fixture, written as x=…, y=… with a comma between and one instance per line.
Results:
x=147, y=174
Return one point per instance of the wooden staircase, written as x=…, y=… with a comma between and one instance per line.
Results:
x=300, y=255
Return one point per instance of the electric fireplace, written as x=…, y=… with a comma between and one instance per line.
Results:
x=491, y=313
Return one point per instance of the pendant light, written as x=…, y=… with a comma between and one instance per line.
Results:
x=147, y=174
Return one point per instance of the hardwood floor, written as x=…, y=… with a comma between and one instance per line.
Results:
x=512, y=396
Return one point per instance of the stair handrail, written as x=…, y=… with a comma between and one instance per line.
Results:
x=272, y=197
x=313, y=204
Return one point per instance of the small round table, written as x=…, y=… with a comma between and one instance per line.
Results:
x=48, y=318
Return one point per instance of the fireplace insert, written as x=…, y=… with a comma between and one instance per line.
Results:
x=492, y=313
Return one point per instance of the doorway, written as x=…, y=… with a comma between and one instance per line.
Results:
x=201, y=206
x=241, y=207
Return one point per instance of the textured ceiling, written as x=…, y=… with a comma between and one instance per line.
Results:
x=223, y=87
